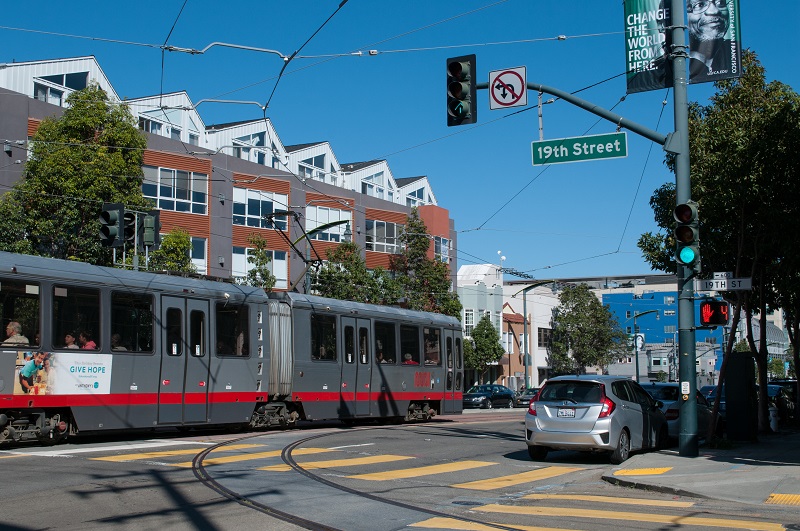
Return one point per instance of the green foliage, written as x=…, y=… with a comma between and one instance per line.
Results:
x=259, y=275
x=585, y=333
x=661, y=376
x=345, y=276
x=174, y=254
x=484, y=348
x=92, y=154
x=776, y=368
x=425, y=281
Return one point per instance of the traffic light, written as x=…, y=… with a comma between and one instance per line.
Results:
x=110, y=224
x=129, y=227
x=714, y=313
x=462, y=105
x=687, y=235
x=150, y=234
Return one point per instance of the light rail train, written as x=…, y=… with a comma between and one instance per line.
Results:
x=90, y=349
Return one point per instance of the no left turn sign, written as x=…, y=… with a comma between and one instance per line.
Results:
x=507, y=88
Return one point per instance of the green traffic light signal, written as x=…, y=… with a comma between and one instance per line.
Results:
x=687, y=235
x=461, y=90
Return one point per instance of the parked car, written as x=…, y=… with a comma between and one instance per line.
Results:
x=669, y=394
x=706, y=390
x=712, y=397
x=523, y=398
x=488, y=396
x=789, y=385
x=777, y=396
x=594, y=413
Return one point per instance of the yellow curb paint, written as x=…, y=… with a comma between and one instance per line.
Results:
x=783, y=499
x=642, y=471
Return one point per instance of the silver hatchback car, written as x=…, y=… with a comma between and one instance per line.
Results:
x=594, y=413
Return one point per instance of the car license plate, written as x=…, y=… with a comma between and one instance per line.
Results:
x=566, y=412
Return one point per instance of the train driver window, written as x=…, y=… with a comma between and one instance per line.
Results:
x=323, y=337
x=76, y=311
x=131, y=322
x=19, y=304
x=433, y=347
x=174, y=331
x=409, y=344
x=385, y=349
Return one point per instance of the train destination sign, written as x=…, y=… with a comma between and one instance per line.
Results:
x=579, y=149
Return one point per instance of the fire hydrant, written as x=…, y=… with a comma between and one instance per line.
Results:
x=773, y=418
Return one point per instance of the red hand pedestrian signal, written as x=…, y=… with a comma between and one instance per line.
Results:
x=714, y=313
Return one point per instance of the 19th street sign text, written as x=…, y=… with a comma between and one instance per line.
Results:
x=579, y=149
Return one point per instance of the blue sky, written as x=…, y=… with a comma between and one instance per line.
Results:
x=567, y=220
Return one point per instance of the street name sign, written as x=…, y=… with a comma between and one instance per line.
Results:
x=724, y=284
x=579, y=149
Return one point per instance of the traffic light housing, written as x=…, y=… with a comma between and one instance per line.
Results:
x=714, y=313
x=687, y=235
x=150, y=234
x=129, y=227
x=462, y=105
x=111, y=224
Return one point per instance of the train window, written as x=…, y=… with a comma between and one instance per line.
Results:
x=349, y=345
x=449, y=344
x=385, y=347
x=197, y=334
x=76, y=312
x=19, y=303
x=409, y=344
x=174, y=331
x=458, y=353
x=233, y=329
x=433, y=346
x=363, y=345
x=131, y=322
x=323, y=337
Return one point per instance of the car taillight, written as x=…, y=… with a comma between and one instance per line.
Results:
x=607, y=405
x=532, y=407
x=671, y=414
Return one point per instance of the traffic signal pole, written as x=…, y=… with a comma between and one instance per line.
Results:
x=676, y=143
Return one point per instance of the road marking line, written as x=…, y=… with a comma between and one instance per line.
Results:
x=166, y=453
x=460, y=525
x=333, y=463
x=642, y=471
x=257, y=455
x=783, y=499
x=421, y=471
x=609, y=499
x=516, y=479
x=634, y=517
x=71, y=451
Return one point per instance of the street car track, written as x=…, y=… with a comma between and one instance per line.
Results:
x=206, y=479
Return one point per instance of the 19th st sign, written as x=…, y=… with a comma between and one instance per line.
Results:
x=579, y=149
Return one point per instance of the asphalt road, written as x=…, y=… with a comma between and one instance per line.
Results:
x=467, y=472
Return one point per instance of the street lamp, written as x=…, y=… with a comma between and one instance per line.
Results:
x=500, y=268
x=636, y=336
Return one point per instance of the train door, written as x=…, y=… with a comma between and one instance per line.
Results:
x=450, y=401
x=183, y=386
x=356, y=392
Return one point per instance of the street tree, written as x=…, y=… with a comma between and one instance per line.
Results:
x=585, y=333
x=743, y=148
x=345, y=276
x=259, y=275
x=425, y=281
x=90, y=155
x=484, y=348
x=174, y=254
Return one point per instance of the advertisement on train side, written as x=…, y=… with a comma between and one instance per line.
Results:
x=62, y=373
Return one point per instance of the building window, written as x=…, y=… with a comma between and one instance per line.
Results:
x=628, y=314
x=381, y=236
x=669, y=299
x=374, y=185
x=176, y=190
x=194, y=139
x=318, y=216
x=198, y=254
x=149, y=126
x=416, y=198
x=278, y=266
x=175, y=133
x=48, y=94
x=251, y=208
x=441, y=249
x=668, y=313
x=544, y=336
x=469, y=322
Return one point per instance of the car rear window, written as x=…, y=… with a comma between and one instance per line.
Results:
x=577, y=391
x=664, y=393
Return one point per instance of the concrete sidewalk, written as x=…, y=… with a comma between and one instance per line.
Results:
x=767, y=471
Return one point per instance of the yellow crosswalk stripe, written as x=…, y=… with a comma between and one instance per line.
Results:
x=460, y=525
x=642, y=471
x=257, y=455
x=337, y=463
x=609, y=499
x=421, y=471
x=164, y=453
x=517, y=479
x=631, y=517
